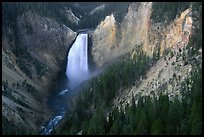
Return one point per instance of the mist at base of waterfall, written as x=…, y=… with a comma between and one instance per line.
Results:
x=69, y=84
x=77, y=69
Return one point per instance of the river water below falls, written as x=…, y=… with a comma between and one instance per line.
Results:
x=77, y=71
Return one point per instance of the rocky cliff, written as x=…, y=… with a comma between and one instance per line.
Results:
x=70, y=16
x=104, y=40
x=31, y=64
x=112, y=39
x=44, y=39
x=34, y=51
x=138, y=28
x=120, y=38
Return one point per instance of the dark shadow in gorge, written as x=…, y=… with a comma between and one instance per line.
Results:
x=61, y=103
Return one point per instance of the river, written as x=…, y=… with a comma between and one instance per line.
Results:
x=77, y=71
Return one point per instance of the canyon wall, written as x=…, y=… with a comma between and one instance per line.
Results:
x=112, y=39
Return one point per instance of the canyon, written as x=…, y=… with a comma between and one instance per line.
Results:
x=37, y=49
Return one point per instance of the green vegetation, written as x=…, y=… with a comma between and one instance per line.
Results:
x=167, y=11
x=97, y=98
x=29, y=29
x=53, y=10
x=92, y=113
x=10, y=128
x=195, y=41
x=48, y=9
x=156, y=53
x=25, y=61
x=25, y=67
x=8, y=93
x=149, y=116
x=117, y=76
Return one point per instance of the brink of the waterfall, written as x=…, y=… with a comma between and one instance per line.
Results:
x=77, y=61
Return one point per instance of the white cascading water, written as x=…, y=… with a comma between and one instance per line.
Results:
x=77, y=61
x=77, y=71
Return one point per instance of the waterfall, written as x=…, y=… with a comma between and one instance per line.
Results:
x=77, y=71
x=77, y=61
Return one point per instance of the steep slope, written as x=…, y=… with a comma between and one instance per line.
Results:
x=104, y=40
x=70, y=16
x=35, y=43
x=34, y=52
x=137, y=28
x=22, y=98
x=155, y=87
x=129, y=33
x=165, y=77
x=44, y=38
x=97, y=9
x=31, y=63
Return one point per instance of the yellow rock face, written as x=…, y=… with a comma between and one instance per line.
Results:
x=175, y=35
x=180, y=26
x=108, y=28
x=104, y=39
x=111, y=41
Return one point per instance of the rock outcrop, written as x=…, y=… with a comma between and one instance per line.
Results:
x=137, y=28
x=45, y=39
x=70, y=16
x=104, y=40
x=111, y=39
x=97, y=9
x=30, y=72
x=176, y=35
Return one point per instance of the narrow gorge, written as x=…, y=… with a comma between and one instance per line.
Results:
x=75, y=68
x=77, y=71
